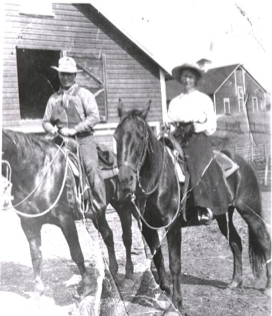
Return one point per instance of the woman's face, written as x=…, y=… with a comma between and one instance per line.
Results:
x=188, y=79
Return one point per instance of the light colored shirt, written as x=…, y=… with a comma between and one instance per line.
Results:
x=85, y=104
x=195, y=107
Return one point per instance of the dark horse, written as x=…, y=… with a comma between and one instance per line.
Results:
x=40, y=177
x=146, y=171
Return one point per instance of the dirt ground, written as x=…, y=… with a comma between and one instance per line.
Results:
x=206, y=269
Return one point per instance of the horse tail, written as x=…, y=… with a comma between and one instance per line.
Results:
x=256, y=254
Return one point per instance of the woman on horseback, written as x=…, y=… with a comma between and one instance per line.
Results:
x=193, y=112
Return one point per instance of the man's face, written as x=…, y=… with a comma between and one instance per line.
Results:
x=66, y=79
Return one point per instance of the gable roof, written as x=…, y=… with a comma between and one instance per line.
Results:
x=214, y=78
x=156, y=32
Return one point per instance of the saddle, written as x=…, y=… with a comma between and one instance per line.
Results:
x=77, y=183
x=227, y=164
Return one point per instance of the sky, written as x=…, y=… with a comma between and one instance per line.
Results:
x=176, y=31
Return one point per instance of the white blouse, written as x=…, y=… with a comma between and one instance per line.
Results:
x=195, y=107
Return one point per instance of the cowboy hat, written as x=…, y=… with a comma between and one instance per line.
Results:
x=67, y=64
x=177, y=70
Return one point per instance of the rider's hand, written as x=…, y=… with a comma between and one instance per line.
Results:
x=54, y=130
x=198, y=127
x=68, y=131
x=165, y=127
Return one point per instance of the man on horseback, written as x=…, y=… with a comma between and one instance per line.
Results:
x=73, y=112
x=193, y=112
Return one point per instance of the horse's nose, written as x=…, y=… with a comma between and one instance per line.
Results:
x=126, y=182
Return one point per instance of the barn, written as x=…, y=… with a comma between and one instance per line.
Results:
x=233, y=88
x=114, y=67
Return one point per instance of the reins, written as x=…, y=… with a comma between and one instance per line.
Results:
x=133, y=198
x=137, y=170
x=140, y=165
x=56, y=201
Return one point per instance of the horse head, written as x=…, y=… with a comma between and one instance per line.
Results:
x=131, y=139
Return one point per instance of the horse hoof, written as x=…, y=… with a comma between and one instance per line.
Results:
x=166, y=289
x=235, y=284
x=39, y=289
x=178, y=306
x=129, y=270
x=129, y=276
x=267, y=292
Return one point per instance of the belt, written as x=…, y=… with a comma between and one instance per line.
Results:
x=181, y=124
x=82, y=134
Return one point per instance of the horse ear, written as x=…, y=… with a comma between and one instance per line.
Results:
x=121, y=108
x=146, y=110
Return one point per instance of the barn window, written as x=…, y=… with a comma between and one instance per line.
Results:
x=226, y=106
x=93, y=77
x=255, y=106
x=36, y=80
x=36, y=8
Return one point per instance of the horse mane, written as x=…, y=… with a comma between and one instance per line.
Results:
x=25, y=145
x=135, y=114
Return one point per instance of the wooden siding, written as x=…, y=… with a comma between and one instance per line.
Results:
x=130, y=73
x=228, y=90
x=253, y=89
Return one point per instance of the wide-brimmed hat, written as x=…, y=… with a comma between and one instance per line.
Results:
x=67, y=64
x=177, y=70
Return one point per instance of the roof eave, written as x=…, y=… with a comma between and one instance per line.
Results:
x=129, y=36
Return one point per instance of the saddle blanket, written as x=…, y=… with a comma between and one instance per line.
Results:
x=106, y=173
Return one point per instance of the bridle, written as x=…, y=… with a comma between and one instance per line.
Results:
x=136, y=168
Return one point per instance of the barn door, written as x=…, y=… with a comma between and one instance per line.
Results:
x=92, y=78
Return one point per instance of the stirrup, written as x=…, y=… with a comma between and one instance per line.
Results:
x=205, y=218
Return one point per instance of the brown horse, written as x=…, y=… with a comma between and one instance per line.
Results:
x=146, y=173
x=39, y=174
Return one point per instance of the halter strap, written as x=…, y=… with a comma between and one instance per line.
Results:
x=128, y=164
x=135, y=168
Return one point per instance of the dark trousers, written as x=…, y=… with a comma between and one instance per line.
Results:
x=89, y=158
x=207, y=179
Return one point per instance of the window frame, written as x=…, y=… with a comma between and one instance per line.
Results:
x=31, y=117
x=37, y=8
x=226, y=102
x=255, y=103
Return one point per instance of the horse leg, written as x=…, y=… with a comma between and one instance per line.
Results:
x=228, y=230
x=152, y=239
x=69, y=231
x=174, y=246
x=33, y=234
x=104, y=229
x=126, y=222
